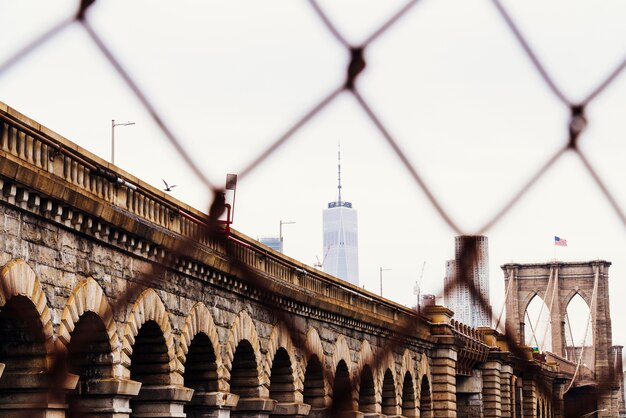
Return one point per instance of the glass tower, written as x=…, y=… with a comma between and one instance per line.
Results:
x=341, y=254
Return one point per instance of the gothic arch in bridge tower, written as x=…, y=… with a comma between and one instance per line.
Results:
x=557, y=283
x=538, y=327
x=199, y=351
x=243, y=341
x=88, y=297
x=149, y=308
x=280, y=339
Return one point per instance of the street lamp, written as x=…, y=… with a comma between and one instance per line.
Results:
x=280, y=232
x=381, y=280
x=113, y=125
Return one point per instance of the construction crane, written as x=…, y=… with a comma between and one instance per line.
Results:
x=319, y=264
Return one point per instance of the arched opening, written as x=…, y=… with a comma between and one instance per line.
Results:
x=149, y=362
x=22, y=347
x=89, y=350
x=200, y=368
x=88, y=356
x=579, y=332
x=537, y=328
x=281, y=378
x=426, y=405
x=314, y=383
x=244, y=375
x=342, y=389
x=367, y=393
x=389, y=401
x=23, y=352
x=408, y=396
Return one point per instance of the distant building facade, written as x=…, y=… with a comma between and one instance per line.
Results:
x=466, y=306
x=341, y=250
x=275, y=243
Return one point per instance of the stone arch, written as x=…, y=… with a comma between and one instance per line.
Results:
x=342, y=352
x=387, y=387
x=316, y=388
x=314, y=346
x=366, y=355
x=88, y=296
x=407, y=384
x=537, y=319
x=528, y=299
x=243, y=329
x=17, y=278
x=426, y=397
x=424, y=369
x=572, y=293
x=407, y=364
x=149, y=307
x=200, y=321
x=365, y=383
x=280, y=338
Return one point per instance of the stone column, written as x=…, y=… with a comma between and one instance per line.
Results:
x=104, y=398
x=492, y=396
x=1, y=368
x=254, y=408
x=506, y=390
x=558, y=402
x=211, y=405
x=34, y=395
x=529, y=396
x=444, y=359
x=161, y=401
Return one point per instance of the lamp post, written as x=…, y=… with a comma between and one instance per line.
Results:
x=381, y=280
x=280, y=232
x=113, y=125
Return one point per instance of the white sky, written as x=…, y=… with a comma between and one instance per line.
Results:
x=449, y=82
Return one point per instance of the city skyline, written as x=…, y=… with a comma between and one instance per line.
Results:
x=464, y=103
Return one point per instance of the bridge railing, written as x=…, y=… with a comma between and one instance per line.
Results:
x=474, y=349
x=50, y=155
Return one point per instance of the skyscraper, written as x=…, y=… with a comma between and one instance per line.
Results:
x=341, y=255
x=466, y=306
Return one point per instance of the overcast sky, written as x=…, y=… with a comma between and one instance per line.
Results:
x=449, y=81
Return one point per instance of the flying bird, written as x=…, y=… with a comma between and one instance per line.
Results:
x=168, y=188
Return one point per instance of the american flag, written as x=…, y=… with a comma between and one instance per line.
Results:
x=560, y=241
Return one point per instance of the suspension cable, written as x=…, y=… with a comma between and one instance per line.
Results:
x=540, y=310
x=555, y=286
x=506, y=297
x=591, y=308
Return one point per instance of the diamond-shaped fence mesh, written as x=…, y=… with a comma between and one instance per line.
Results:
x=579, y=120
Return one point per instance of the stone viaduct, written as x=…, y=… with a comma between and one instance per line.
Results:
x=111, y=284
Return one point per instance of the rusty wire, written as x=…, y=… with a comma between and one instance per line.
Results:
x=357, y=64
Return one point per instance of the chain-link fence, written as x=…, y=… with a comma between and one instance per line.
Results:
x=349, y=86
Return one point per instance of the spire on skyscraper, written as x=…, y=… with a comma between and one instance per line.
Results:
x=340, y=236
x=339, y=173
